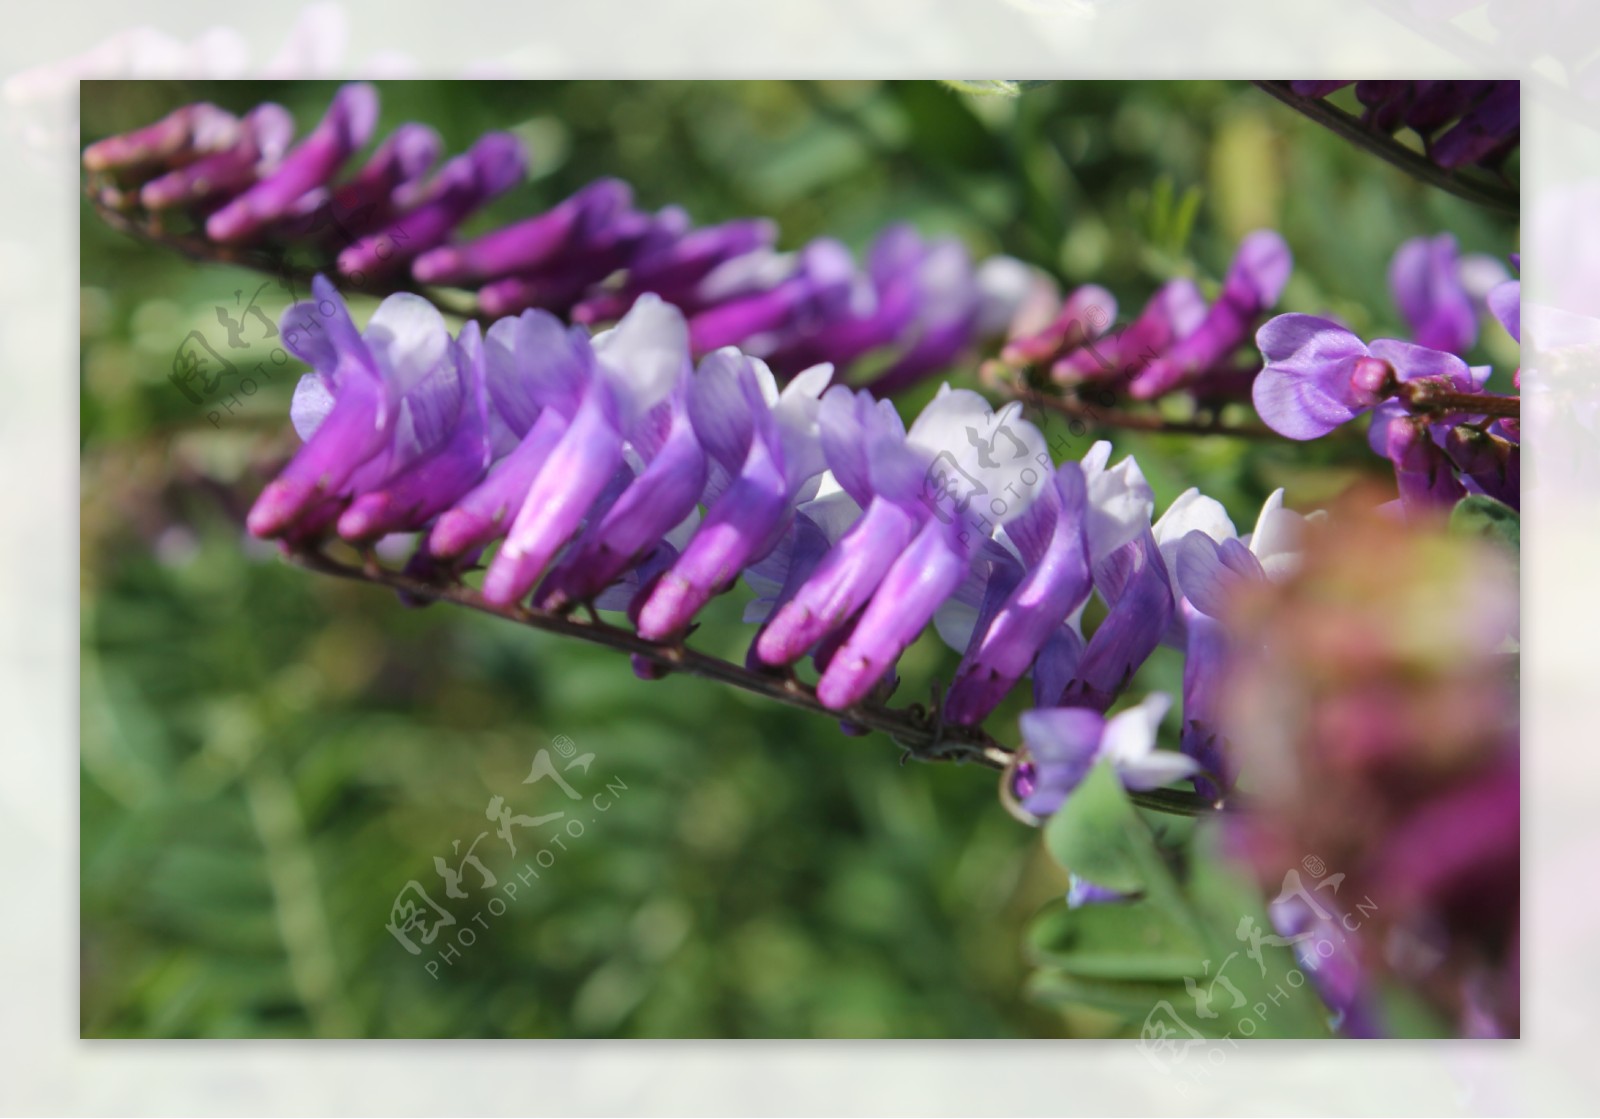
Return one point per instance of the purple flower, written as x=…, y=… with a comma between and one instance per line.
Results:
x=764, y=450
x=1253, y=283
x=1505, y=302
x=1319, y=375
x=932, y=495
x=1426, y=281
x=428, y=213
x=345, y=128
x=756, y=301
x=947, y=303
x=1174, y=312
x=391, y=390
x=531, y=243
x=560, y=281
x=1051, y=582
x=452, y=451
x=264, y=135
x=1130, y=577
x=1486, y=132
x=675, y=267
x=535, y=369
x=184, y=135
x=1064, y=743
x=1422, y=470
x=375, y=195
x=611, y=387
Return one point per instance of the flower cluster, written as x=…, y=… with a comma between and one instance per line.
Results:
x=1460, y=123
x=617, y=472
x=917, y=305
x=1432, y=417
x=1176, y=342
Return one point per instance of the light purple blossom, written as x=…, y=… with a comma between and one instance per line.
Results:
x=1064, y=743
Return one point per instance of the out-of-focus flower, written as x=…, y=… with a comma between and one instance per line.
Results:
x=344, y=130
x=1374, y=711
x=1064, y=743
x=1426, y=281
x=917, y=307
x=1254, y=281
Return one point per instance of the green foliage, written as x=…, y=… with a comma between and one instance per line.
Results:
x=269, y=757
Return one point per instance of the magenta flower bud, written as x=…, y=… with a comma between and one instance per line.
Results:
x=485, y=513
x=919, y=580
x=1254, y=281
x=492, y=166
x=266, y=134
x=1372, y=381
x=177, y=138
x=345, y=128
x=372, y=197
x=1087, y=314
x=529, y=244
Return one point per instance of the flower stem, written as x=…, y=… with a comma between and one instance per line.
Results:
x=1474, y=189
x=1095, y=415
x=924, y=735
x=1425, y=398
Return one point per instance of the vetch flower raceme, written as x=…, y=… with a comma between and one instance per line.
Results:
x=918, y=304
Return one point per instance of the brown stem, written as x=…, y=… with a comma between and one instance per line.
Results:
x=1426, y=398
x=143, y=226
x=1076, y=409
x=923, y=734
x=1482, y=191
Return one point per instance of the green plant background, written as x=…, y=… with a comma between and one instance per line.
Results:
x=268, y=757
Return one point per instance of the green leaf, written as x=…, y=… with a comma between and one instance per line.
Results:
x=1132, y=1000
x=992, y=87
x=1095, y=833
x=1125, y=941
x=1477, y=515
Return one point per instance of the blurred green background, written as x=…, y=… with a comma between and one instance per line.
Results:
x=269, y=756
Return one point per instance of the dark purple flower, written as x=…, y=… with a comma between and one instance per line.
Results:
x=1487, y=131
x=1054, y=582
x=1254, y=281
x=493, y=165
x=345, y=128
x=531, y=243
